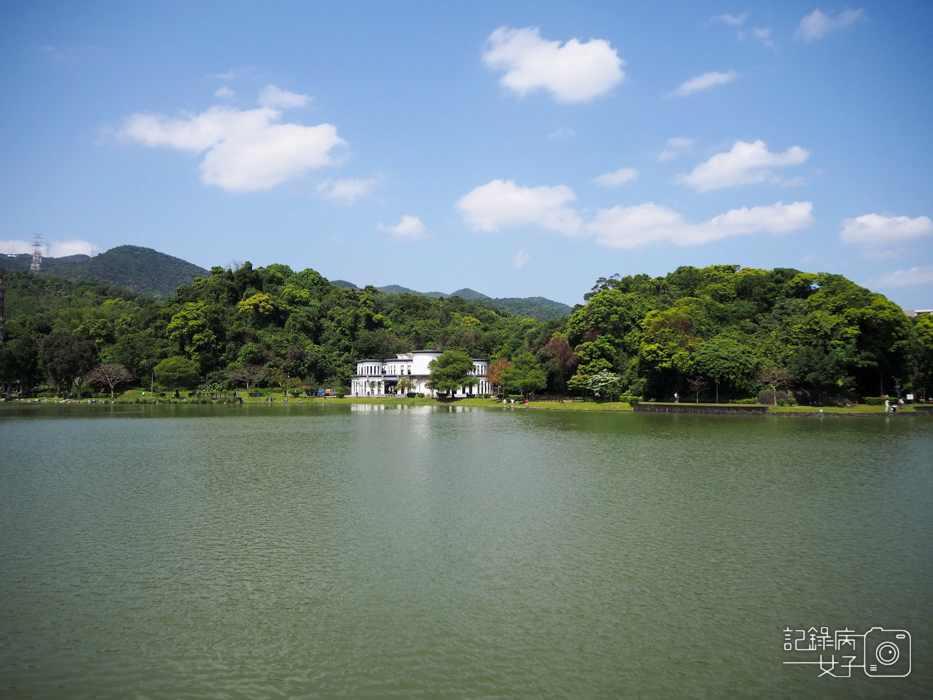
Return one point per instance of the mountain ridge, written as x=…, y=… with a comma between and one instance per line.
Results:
x=150, y=273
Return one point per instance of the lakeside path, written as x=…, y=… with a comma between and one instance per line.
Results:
x=134, y=397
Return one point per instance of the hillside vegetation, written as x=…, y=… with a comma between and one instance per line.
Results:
x=142, y=270
x=693, y=331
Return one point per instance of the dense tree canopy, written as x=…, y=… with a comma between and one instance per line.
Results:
x=733, y=327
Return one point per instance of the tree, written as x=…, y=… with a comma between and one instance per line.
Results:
x=697, y=384
x=924, y=332
x=66, y=358
x=525, y=375
x=495, y=369
x=109, y=375
x=450, y=371
x=248, y=374
x=563, y=358
x=8, y=369
x=405, y=384
x=177, y=373
x=727, y=361
x=607, y=384
x=776, y=378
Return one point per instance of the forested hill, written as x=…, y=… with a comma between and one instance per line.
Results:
x=143, y=270
x=537, y=308
x=692, y=331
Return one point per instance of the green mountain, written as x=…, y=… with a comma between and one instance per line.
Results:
x=538, y=308
x=143, y=270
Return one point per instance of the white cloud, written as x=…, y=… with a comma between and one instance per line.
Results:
x=745, y=164
x=882, y=230
x=501, y=203
x=274, y=98
x=644, y=224
x=347, y=190
x=914, y=276
x=762, y=35
x=817, y=24
x=224, y=93
x=798, y=181
x=521, y=257
x=409, y=228
x=704, y=82
x=572, y=72
x=617, y=178
x=562, y=132
x=675, y=147
x=231, y=74
x=733, y=20
x=244, y=150
x=53, y=249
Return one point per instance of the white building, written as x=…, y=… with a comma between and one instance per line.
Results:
x=380, y=377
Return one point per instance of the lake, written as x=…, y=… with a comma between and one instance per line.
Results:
x=357, y=551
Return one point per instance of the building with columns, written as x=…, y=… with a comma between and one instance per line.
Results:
x=380, y=377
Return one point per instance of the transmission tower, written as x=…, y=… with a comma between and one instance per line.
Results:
x=36, y=254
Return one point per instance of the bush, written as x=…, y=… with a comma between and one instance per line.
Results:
x=630, y=399
x=420, y=395
x=410, y=394
x=485, y=396
x=745, y=402
x=875, y=400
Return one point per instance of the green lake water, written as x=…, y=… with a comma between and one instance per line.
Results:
x=366, y=552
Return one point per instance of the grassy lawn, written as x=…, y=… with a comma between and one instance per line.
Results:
x=133, y=394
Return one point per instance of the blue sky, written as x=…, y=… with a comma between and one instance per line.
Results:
x=516, y=148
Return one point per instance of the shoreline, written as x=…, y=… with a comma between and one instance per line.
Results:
x=607, y=407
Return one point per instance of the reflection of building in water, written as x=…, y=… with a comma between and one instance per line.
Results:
x=380, y=377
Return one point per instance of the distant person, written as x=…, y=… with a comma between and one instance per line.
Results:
x=676, y=397
x=900, y=403
x=887, y=406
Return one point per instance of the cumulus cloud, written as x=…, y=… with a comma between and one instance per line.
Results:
x=644, y=224
x=224, y=93
x=703, y=82
x=244, y=150
x=914, y=276
x=573, y=72
x=275, y=98
x=617, y=178
x=745, y=164
x=882, y=230
x=675, y=147
x=521, y=257
x=347, y=190
x=52, y=249
x=499, y=204
x=409, y=228
x=733, y=20
x=818, y=24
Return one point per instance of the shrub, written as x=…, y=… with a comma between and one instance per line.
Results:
x=485, y=396
x=745, y=402
x=420, y=395
x=630, y=399
x=875, y=400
